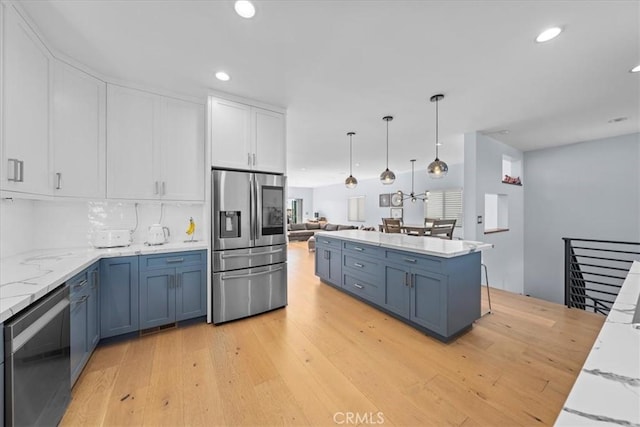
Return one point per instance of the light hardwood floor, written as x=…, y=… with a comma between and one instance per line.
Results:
x=328, y=359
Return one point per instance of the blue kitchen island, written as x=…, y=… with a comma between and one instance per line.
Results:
x=429, y=283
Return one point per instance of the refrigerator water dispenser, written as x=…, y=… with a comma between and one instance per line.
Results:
x=229, y=224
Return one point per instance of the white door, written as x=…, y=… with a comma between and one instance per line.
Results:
x=78, y=133
x=230, y=136
x=131, y=122
x=181, y=150
x=269, y=140
x=25, y=108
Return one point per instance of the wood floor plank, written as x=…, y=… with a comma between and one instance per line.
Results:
x=327, y=356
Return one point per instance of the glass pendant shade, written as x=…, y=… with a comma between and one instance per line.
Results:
x=351, y=181
x=387, y=177
x=437, y=169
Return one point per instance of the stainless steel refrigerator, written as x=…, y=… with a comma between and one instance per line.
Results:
x=249, y=256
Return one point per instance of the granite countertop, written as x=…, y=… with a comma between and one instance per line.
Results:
x=607, y=391
x=27, y=277
x=419, y=244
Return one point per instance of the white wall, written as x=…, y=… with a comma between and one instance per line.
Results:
x=306, y=194
x=27, y=225
x=586, y=190
x=483, y=175
x=331, y=201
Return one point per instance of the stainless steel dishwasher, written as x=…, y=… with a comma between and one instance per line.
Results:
x=37, y=362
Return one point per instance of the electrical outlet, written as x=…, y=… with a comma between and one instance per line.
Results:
x=479, y=219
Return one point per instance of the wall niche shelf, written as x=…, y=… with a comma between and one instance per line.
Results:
x=511, y=183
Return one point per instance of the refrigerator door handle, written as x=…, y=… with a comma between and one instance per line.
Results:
x=252, y=208
x=275, y=251
x=256, y=211
x=242, y=276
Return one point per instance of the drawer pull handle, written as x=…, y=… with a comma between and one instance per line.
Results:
x=326, y=241
x=357, y=248
x=175, y=259
x=79, y=301
x=411, y=260
x=80, y=285
x=358, y=286
x=357, y=264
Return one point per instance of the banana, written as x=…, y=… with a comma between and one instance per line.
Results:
x=192, y=227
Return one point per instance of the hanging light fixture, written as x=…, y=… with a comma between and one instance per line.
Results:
x=412, y=196
x=351, y=182
x=387, y=177
x=437, y=168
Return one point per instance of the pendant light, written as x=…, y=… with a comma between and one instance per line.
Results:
x=387, y=177
x=351, y=182
x=413, y=196
x=437, y=168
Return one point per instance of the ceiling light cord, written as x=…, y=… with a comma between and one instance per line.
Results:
x=387, y=144
x=350, y=154
x=437, y=129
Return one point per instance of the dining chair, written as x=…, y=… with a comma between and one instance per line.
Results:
x=391, y=225
x=443, y=228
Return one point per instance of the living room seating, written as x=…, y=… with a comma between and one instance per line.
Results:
x=302, y=231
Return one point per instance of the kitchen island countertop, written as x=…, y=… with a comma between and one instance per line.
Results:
x=419, y=244
x=27, y=277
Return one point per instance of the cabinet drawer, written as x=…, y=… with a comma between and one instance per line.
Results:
x=174, y=259
x=362, y=264
x=327, y=242
x=362, y=249
x=367, y=289
x=78, y=284
x=413, y=260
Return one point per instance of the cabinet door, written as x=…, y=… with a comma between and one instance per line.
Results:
x=429, y=301
x=118, y=296
x=181, y=150
x=93, y=308
x=397, y=293
x=269, y=141
x=230, y=137
x=78, y=120
x=191, y=292
x=25, y=88
x=78, y=334
x=132, y=118
x=157, y=297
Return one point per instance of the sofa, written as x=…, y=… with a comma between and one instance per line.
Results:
x=302, y=231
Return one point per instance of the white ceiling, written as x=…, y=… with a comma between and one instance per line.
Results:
x=340, y=66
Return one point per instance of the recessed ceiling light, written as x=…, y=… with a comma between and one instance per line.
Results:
x=245, y=9
x=635, y=69
x=618, y=119
x=548, y=34
x=221, y=75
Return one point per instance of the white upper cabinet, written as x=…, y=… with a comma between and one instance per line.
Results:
x=269, y=139
x=78, y=133
x=25, y=108
x=132, y=120
x=181, y=153
x=155, y=146
x=247, y=137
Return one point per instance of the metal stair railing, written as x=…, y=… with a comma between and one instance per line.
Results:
x=594, y=271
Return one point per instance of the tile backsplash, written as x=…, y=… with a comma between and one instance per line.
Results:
x=38, y=224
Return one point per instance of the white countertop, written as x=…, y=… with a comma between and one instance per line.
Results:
x=29, y=276
x=607, y=391
x=419, y=244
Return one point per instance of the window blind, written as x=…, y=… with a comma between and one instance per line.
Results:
x=445, y=204
x=355, y=209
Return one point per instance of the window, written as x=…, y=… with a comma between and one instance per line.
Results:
x=355, y=209
x=445, y=204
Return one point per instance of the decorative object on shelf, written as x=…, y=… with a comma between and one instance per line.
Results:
x=191, y=231
x=351, y=182
x=411, y=196
x=396, y=213
x=383, y=200
x=437, y=168
x=511, y=180
x=387, y=177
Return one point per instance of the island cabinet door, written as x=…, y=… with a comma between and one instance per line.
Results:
x=429, y=300
x=397, y=294
x=329, y=265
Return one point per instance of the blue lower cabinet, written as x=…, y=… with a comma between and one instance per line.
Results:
x=78, y=336
x=118, y=296
x=191, y=292
x=93, y=307
x=173, y=287
x=397, y=293
x=329, y=264
x=429, y=300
